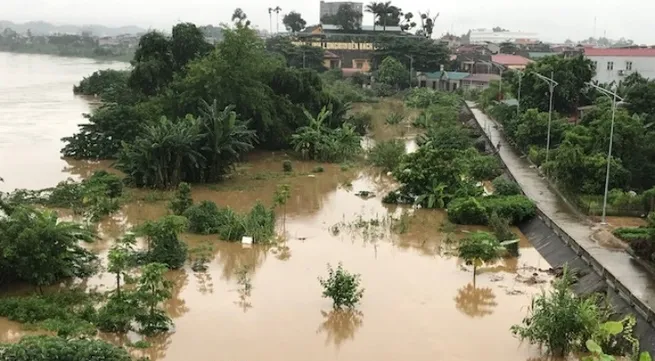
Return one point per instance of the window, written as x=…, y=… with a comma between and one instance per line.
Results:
x=610, y=65
x=628, y=65
x=359, y=64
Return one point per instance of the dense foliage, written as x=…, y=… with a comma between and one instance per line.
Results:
x=387, y=154
x=317, y=141
x=103, y=83
x=164, y=245
x=38, y=248
x=33, y=348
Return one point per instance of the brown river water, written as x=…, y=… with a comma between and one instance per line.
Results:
x=419, y=301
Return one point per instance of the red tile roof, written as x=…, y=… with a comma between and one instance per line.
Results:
x=649, y=52
x=506, y=59
x=482, y=78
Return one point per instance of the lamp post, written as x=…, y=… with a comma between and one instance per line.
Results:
x=518, y=106
x=551, y=86
x=411, y=66
x=612, y=95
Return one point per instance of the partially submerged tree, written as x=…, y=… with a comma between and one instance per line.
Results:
x=280, y=198
x=164, y=245
x=182, y=199
x=342, y=287
x=480, y=248
x=152, y=289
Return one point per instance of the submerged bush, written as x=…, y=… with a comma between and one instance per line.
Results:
x=342, y=287
x=164, y=245
x=387, y=154
x=32, y=348
x=467, y=211
x=207, y=218
x=67, y=313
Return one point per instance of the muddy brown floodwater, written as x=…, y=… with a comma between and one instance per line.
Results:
x=419, y=301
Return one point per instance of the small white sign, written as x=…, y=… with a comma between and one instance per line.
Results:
x=246, y=240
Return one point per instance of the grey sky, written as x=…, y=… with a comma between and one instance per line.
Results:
x=553, y=20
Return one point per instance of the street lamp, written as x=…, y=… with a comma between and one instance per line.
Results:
x=612, y=95
x=411, y=65
x=518, y=106
x=551, y=86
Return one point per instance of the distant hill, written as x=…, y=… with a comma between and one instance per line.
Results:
x=44, y=28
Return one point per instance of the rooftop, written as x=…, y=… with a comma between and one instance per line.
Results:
x=643, y=52
x=483, y=78
x=506, y=59
x=452, y=75
x=380, y=28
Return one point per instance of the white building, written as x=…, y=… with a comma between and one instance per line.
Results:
x=331, y=8
x=614, y=64
x=483, y=36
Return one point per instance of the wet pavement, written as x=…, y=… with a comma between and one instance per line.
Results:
x=617, y=262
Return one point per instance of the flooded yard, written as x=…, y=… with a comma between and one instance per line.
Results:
x=419, y=301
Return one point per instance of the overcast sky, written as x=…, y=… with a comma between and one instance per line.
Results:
x=553, y=20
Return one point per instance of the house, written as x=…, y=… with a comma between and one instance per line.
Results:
x=441, y=80
x=614, y=64
x=514, y=62
x=482, y=36
x=479, y=80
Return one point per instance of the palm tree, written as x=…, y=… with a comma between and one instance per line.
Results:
x=277, y=19
x=225, y=138
x=385, y=9
x=375, y=9
x=270, y=19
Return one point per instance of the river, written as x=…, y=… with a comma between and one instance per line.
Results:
x=419, y=302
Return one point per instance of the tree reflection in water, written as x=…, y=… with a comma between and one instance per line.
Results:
x=340, y=325
x=176, y=306
x=475, y=302
x=205, y=282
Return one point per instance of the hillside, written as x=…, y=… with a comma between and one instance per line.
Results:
x=44, y=28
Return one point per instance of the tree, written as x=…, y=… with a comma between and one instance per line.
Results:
x=303, y=56
x=559, y=320
x=187, y=43
x=572, y=75
x=498, y=29
x=294, y=22
x=479, y=248
x=152, y=289
x=346, y=17
x=240, y=18
x=164, y=246
x=428, y=56
x=508, y=48
x=153, y=64
x=427, y=24
x=280, y=198
x=392, y=72
x=342, y=287
x=120, y=259
x=37, y=248
x=375, y=8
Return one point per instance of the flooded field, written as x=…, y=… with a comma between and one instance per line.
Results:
x=419, y=301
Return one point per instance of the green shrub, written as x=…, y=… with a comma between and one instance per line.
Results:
x=387, y=154
x=383, y=90
x=629, y=234
x=505, y=187
x=484, y=167
x=318, y=169
x=164, y=244
x=394, y=118
x=516, y=208
x=33, y=348
x=342, y=287
x=204, y=217
x=537, y=155
x=643, y=248
x=182, y=200
x=287, y=166
x=467, y=211
x=116, y=315
x=500, y=227
x=361, y=121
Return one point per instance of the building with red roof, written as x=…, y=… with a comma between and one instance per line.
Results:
x=614, y=64
x=511, y=61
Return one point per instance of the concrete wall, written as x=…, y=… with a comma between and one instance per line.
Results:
x=559, y=248
x=642, y=64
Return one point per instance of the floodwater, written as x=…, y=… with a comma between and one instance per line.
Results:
x=419, y=302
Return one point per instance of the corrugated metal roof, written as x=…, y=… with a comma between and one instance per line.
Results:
x=643, y=52
x=456, y=75
x=539, y=54
x=379, y=28
x=506, y=59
